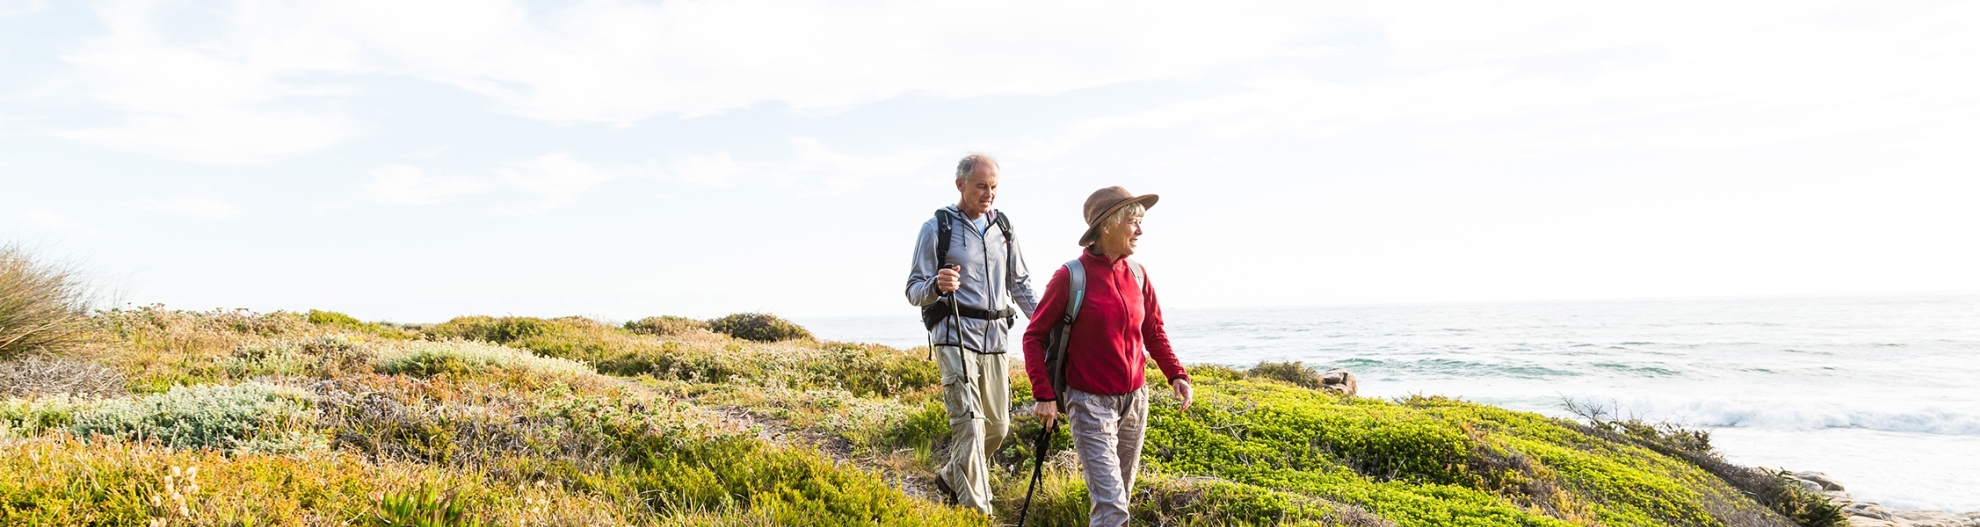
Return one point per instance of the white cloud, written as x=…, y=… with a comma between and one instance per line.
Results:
x=840, y=172
x=20, y=7
x=53, y=221
x=717, y=170
x=552, y=181
x=812, y=168
x=48, y=219
x=259, y=83
x=409, y=185
x=620, y=61
x=1543, y=75
x=556, y=179
x=203, y=208
x=222, y=98
x=263, y=81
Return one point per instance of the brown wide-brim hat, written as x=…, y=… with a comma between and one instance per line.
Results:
x=1104, y=202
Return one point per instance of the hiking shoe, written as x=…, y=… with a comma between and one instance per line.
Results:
x=942, y=486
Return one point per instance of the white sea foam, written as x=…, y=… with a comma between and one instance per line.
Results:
x=1882, y=392
x=1785, y=416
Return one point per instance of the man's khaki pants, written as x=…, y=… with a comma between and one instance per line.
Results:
x=1107, y=431
x=976, y=390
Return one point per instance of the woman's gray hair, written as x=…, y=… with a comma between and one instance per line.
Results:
x=1114, y=222
x=969, y=163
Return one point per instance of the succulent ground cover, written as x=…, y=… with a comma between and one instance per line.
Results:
x=239, y=418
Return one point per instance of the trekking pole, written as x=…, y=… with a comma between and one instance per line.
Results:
x=955, y=319
x=1037, y=467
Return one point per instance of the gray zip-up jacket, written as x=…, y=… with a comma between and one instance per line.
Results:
x=986, y=284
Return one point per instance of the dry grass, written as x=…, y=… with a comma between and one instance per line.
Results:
x=42, y=306
x=40, y=375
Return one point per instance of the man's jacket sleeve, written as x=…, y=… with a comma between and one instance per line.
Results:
x=1020, y=286
x=921, y=289
x=1051, y=307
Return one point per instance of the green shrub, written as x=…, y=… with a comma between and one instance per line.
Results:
x=760, y=327
x=30, y=417
x=1294, y=372
x=208, y=416
x=43, y=308
x=422, y=507
x=665, y=326
x=920, y=429
x=326, y=356
x=427, y=358
x=343, y=321
x=499, y=330
x=1778, y=491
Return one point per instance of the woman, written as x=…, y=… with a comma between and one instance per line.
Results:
x=1117, y=319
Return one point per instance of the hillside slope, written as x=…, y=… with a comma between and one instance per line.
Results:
x=237, y=418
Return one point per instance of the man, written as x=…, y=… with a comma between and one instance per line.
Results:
x=966, y=283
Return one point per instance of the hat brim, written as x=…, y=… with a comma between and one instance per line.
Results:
x=1147, y=201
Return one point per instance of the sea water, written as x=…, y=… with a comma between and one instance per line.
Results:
x=1881, y=393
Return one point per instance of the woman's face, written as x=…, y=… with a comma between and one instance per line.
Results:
x=1119, y=240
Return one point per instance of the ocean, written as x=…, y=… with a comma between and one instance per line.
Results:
x=1882, y=393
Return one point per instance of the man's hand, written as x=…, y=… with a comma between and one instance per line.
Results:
x=949, y=278
x=1183, y=392
x=1046, y=411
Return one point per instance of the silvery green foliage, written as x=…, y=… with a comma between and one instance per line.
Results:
x=460, y=356
x=325, y=356
x=207, y=416
x=30, y=417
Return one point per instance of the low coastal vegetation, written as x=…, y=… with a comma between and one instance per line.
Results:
x=153, y=416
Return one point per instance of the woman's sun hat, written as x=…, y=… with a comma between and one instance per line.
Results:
x=1103, y=203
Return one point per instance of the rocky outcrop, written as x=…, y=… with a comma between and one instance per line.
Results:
x=1871, y=514
x=1338, y=380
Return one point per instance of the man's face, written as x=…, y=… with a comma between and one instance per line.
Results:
x=979, y=190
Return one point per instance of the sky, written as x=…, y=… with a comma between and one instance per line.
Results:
x=415, y=161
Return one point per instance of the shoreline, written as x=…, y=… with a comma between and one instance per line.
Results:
x=1873, y=514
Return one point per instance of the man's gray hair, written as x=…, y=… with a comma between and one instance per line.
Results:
x=969, y=163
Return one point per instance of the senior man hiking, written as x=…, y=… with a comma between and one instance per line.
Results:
x=1115, y=326
x=967, y=272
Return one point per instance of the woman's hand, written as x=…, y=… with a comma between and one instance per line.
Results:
x=1183, y=392
x=1046, y=411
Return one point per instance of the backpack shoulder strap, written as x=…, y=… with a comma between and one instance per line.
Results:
x=1076, y=272
x=943, y=231
x=1004, y=223
x=1140, y=278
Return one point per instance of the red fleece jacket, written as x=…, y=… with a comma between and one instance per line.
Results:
x=1116, y=322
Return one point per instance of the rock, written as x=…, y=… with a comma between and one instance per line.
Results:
x=1820, y=479
x=1934, y=519
x=1338, y=380
x=1866, y=510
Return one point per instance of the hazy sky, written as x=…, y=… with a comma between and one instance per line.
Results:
x=413, y=161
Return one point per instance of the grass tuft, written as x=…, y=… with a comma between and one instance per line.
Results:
x=38, y=375
x=43, y=307
x=665, y=326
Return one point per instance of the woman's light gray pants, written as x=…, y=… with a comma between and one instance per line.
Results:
x=1107, y=431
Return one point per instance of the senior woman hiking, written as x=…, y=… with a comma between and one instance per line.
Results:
x=1117, y=319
